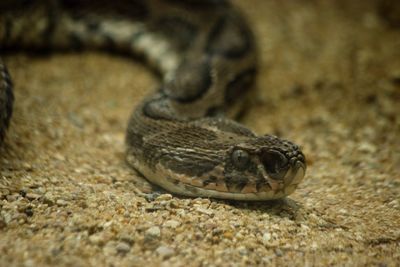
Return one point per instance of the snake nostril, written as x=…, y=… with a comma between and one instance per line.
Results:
x=274, y=163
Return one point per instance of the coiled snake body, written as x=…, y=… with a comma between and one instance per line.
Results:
x=178, y=137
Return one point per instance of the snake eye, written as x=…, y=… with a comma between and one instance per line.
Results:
x=240, y=158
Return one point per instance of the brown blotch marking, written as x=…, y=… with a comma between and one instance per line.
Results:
x=7, y=32
x=52, y=17
x=266, y=187
x=209, y=180
x=186, y=87
x=262, y=185
x=75, y=41
x=109, y=42
x=211, y=186
x=196, y=182
x=172, y=180
x=188, y=166
x=239, y=85
x=249, y=188
x=221, y=187
x=214, y=111
x=179, y=30
x=236, y=183
x=235, y=187
x=229, y=38
x=183, y=179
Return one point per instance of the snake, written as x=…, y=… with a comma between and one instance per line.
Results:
x=182, y=136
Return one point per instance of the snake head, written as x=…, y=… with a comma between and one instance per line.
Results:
x=265, y=164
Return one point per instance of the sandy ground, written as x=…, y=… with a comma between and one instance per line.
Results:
x=329, y=80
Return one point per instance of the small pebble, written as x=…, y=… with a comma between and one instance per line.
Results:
x=205, y=211
x=97, y=239
x=367, y=147
x=314, y=246
x=266, y=238
x=153, y=207
x=127, y=238
x=123, y=247
x=32, y=196
x=61, y=202
x=172, y=224
x=242, y=250
x=278, y=252
x=165, y=252
x=153, y=232
x=49, y=199
x=13, y=197
x=164, y=197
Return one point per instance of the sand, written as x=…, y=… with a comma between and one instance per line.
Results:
x=329, y=80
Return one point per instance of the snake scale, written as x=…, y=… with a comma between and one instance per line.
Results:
x=180, y=137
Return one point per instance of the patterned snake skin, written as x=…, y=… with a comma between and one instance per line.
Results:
x=179, y=137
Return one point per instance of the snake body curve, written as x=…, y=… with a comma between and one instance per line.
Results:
x=179, y=137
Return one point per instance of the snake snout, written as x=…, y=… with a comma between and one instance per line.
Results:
x=275, y=163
